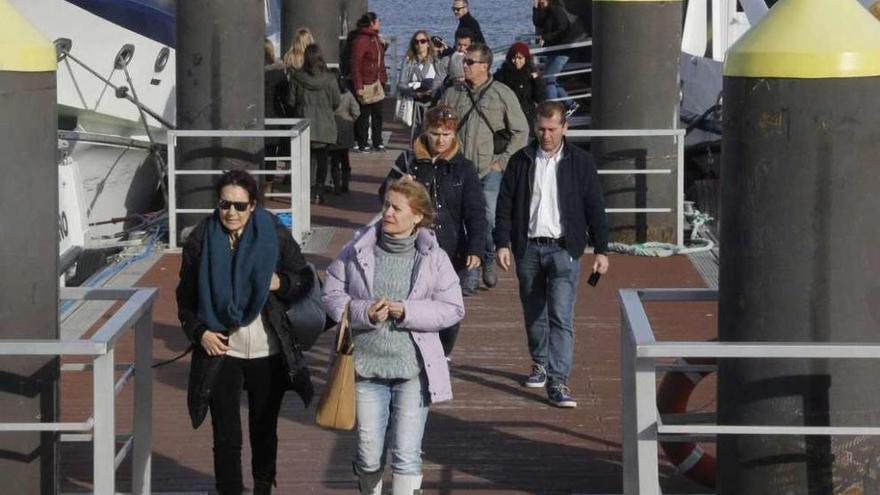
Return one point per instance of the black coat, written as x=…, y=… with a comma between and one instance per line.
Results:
x=459, y=204
x=295, y=283
x=529, y=90
x=581, y=205
x=470, y=22
x=553, y=26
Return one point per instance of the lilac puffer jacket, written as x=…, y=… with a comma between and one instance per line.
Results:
x=434, y=302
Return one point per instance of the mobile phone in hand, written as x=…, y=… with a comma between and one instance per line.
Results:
x=594, y=278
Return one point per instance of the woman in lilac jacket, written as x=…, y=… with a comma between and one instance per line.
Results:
x=401, y=290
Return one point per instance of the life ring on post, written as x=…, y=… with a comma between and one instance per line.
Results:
x=673, y=394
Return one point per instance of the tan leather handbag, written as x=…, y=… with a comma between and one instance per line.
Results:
x=373, y=92
x=336, y=409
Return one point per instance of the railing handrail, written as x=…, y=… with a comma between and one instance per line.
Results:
x=300, y=207
x=678, y=135
x=135, y=313
x=643, y=426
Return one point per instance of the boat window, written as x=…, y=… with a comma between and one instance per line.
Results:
x=126, y=53
x=62, y=48
x=161, y=59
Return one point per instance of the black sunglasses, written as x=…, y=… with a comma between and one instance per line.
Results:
x=470, y=61
x=422, y=41
x=239, y=205
x=456, y=9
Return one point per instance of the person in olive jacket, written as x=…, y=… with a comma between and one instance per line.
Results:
x=240, y=270
x=456, y=195
x=314, y=95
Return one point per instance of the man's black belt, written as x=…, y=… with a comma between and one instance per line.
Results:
x=555, y=241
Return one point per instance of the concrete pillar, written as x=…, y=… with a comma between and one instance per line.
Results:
x=29, y=283
x=219, y=86
x=636, y=51
x=323, y=22
x=799, y=259
x=351, y=11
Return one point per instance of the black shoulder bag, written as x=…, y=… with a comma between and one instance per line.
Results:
x=500, y=138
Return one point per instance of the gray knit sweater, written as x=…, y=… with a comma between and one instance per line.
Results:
x=388, y=352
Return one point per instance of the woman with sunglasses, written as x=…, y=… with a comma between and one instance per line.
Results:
x=240, y=270
x=419, y=68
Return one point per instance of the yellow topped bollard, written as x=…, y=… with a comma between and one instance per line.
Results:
x=799, y=235
x=29, y=281
x=809, y=39
x=24, y=48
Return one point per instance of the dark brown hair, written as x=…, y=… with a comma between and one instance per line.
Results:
x=313, y=60
x=550, y=109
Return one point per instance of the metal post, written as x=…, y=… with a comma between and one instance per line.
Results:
x=646, y=426
x=104, y=433
x=679, y=195
x=143, y=404
x=295, y=231
x=172, y=189
x=630, y=421
x=305, y=180
x=324, y=24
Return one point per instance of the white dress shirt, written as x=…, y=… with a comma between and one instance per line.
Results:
x=544, y=217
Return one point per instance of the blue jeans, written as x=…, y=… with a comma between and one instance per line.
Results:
x=548, y=278
x=405, y=404
x=491, y=183
x=554, y=66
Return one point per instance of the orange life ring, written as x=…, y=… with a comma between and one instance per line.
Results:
x=672, y=398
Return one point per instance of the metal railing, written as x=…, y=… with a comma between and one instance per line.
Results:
x=135, y=313
x=299, y=172
x=678, y=135
x=643, y=427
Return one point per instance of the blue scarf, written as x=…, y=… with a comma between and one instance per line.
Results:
x=234, y=286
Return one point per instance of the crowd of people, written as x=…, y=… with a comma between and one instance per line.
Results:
x=472, y=193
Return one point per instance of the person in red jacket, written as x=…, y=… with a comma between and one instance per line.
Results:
x=367, y=67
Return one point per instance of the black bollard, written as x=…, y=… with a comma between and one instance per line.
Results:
x=799, y=242
x=29, y=283
x=219, y=86
x=636, y=51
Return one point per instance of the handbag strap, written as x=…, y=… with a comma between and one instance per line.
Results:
x=475, y=106
x=344, y=344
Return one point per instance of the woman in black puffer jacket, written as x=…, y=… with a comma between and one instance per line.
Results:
x=456, y=195
x=519, y=74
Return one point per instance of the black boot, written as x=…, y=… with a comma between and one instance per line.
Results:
x=262, y=487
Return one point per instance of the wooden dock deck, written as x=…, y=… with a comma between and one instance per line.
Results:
x=494, y=437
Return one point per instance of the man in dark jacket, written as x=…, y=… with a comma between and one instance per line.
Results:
x=550, y=197
x=461, y=10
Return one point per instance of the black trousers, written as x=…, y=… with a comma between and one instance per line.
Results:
x=265, y=380
x=340, y=167
x=320, y=164
x=448, y=337
x=369, y=113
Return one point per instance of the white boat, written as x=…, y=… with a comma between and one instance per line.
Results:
x=107, y=168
